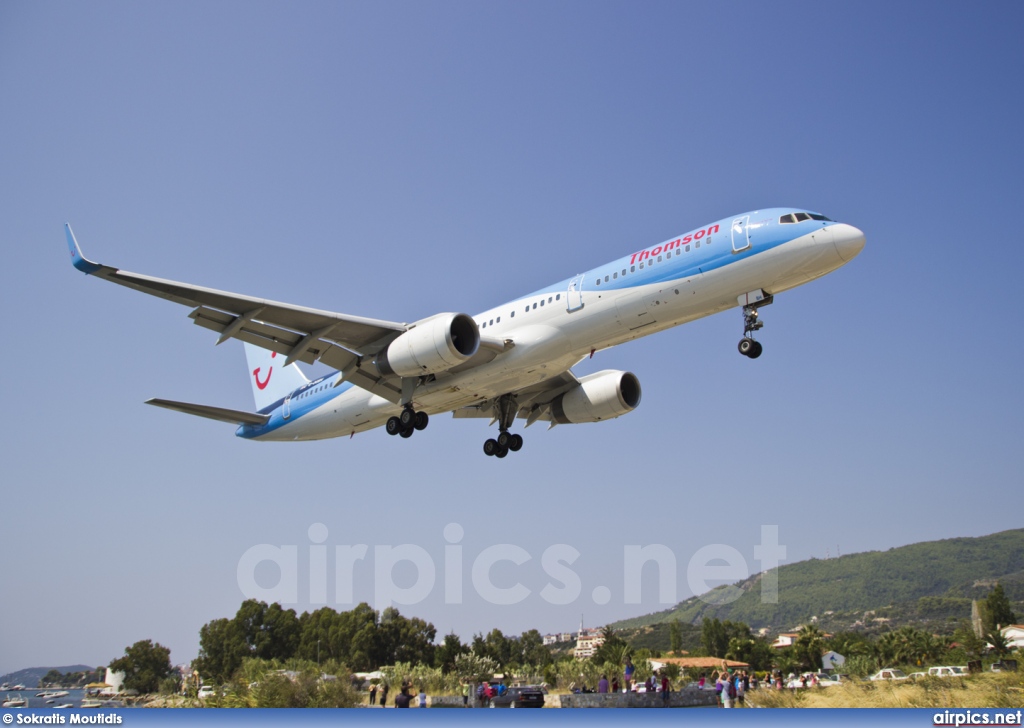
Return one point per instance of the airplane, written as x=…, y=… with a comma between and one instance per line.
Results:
x=511, y=361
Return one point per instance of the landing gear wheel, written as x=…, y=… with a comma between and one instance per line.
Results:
x=756, y=351
x=502, y=452
x=407, y=418
x=490, y=447
x=394, y=426
x=421, y=420
x=407, y=433
x=516, y=443
x=504, y=439
x=746, y=346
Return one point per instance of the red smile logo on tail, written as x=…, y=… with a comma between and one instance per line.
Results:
x=256, y=374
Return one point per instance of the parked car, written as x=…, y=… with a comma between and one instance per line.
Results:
x=520, y=696
x=947, y=671
x=917, y=675
x=890, y=673
x=826, y=681
x=207, y=691
x=1004, y=666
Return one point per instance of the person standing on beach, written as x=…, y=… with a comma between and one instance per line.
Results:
x=627, y=674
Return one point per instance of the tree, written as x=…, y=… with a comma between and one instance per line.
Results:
x=405, y=640
x=713, y=638
x=53, y=677
x=470, y=667
x=531, y=650
x=1000, y=645
x=997, y=612
x=972, y=645
x=221, y=650
x=144, y=665
x=910, y=646
x=257, y=630
x=755, y=651
x=448, y=651
x=269, y=631
x=675, y=637
x=850, y=644
x=614, y=649
x=715, y=635
x=809, y=646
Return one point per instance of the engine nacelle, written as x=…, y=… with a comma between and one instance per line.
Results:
x=434, y=345
x=599, y=396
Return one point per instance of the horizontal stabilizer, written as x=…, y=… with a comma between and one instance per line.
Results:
x=214, y=413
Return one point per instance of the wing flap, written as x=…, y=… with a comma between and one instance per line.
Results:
x=235, y=417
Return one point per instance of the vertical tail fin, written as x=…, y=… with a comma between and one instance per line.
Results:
x=270, y=379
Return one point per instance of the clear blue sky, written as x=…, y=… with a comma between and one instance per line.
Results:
x=395, y=160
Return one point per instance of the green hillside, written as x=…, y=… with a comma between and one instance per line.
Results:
x=930, y=583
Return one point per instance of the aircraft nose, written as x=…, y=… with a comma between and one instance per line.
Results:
x=849, y=241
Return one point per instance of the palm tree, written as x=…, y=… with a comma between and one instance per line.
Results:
x=809, y=646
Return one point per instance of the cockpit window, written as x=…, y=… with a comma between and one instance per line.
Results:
x=801, y=216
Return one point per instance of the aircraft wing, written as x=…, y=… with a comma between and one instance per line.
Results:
x=213, y=413
x=301, y=334
x=532, y=402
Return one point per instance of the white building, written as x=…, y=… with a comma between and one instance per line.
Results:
x=786, y=639
x=587, y=643
x=1014, y=635
x=116, y=682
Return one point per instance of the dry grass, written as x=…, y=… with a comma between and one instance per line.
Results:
x=1002, y=690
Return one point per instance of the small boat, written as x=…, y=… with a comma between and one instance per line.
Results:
x=91, y=703
x=64, y=705
x=59, y=694
x=14, y=702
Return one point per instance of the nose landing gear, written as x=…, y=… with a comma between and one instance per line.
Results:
x=748, y=347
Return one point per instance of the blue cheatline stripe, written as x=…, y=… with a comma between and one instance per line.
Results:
x=299, y=406
x=686, y=264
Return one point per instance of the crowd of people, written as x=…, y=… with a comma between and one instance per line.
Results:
x=402, y=700
x=730, y=686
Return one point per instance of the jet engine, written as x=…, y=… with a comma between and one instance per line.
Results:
x=599, y=396
x=433, y=345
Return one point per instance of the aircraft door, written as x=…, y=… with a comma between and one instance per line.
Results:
x=574, y=296
x=286, y=408
x=741, y=233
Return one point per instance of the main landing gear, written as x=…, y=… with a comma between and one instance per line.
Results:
x=407, y=422
x=747, y=346
x=505, y=411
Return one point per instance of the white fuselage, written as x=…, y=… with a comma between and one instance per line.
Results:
x=553, y=329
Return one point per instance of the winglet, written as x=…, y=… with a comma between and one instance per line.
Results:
x=77, y=259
